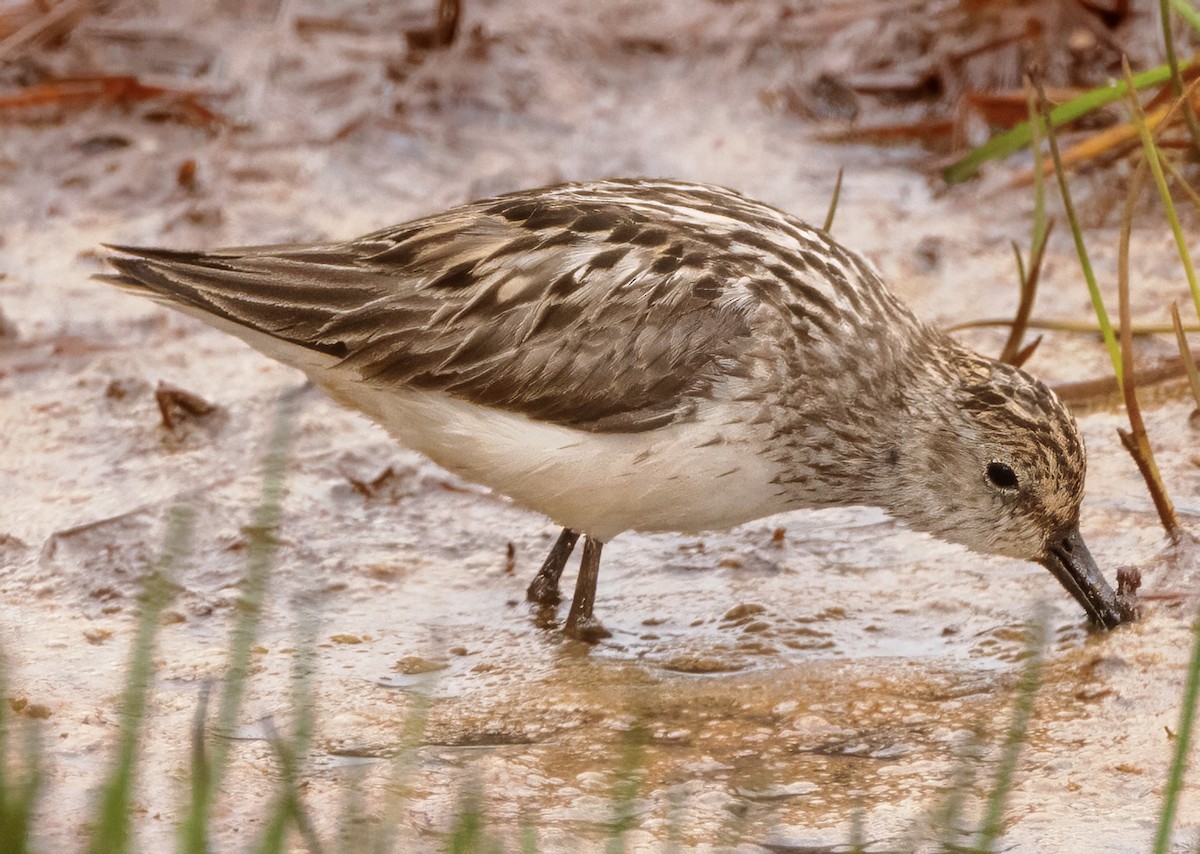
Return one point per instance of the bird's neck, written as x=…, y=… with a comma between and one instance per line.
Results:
x=864, y=446
x=925, y=432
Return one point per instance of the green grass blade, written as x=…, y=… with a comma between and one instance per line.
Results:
x=676, y=797
x=1183, y=742
x=947, y=821
x=1182, y=183
x=14, y=841
x=1106, y=330
x=1018, y=734
x=288, y=808
x=261, y=553
x=404, y=766
x=193, y=833
x=354, y=827
x=466, y=836
x=857, y=843
x=275, y=832
x=629, y=780
x=1185, y=353
x=17, y=817
x=529, y=839
x=112, y=829
x=20, y=781
x=1011, y=141
x=1152, y=153
x=1189, y=116
x=1188, y=12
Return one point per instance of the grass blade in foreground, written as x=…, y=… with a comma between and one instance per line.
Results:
x=466, y=836
x=195, y=827
x=1183, y=743
x=946, y=821
x=1018, y=734
x=629, y=780
x=404, y=766
x=288, y=808
x=112, y=831
x=19, y=785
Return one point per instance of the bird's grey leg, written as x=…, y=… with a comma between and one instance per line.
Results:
x=544, y=588
x=581, y=625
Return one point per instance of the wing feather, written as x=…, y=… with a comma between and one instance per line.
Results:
x=582, y=310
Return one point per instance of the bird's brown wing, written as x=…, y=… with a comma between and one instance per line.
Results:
x=592, y=314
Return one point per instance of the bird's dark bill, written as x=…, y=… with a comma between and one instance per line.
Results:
x=1071, y=562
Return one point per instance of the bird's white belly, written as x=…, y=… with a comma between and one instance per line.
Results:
x=701, y=475
x=690, y=477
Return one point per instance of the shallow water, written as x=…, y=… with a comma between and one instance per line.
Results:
x=783, y=684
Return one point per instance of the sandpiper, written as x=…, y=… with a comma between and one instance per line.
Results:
x=652, y=355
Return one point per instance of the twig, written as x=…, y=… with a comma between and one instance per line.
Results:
x=1012, y=352
x=1080, y=392
x=444, y=30
x=1022, y=355
x=1075, y=326
x=1029, y=282
x=59, y=14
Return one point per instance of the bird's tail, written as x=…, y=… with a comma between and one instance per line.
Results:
x=255, y=292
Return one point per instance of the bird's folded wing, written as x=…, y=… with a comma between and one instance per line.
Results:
x=601, y=318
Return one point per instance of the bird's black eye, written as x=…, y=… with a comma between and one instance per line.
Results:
x=1001, y=475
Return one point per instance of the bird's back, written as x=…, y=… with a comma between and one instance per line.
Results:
x=609, y=306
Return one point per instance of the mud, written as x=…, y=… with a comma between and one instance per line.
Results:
x=775, y=690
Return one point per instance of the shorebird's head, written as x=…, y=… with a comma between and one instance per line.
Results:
x=1001, y=471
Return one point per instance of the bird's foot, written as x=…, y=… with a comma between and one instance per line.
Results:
x=585, y=628
x=543, y=591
